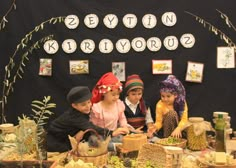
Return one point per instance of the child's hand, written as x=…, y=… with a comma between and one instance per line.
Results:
x=151, y=130
x=138, y=130
x=177, y=133
x=120, y=131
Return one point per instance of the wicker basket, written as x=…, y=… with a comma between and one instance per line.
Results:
x=26, y=164
x=159, y=156
x=99, y=161
x=163, y=141
x=7, y=128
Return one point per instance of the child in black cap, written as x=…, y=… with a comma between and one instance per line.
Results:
x=75, y=119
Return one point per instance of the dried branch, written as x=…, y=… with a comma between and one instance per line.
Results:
x=10, y=78
x=4, y=20
x=215, y=30
x=226, y=18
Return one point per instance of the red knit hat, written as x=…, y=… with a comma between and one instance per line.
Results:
x=106, y=83
x=133, y=82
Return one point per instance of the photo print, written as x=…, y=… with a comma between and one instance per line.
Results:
x=194, y=72
x=161, y=66
x=118, y=69
x=45, y=67
x=225, y=57
x=79, y=67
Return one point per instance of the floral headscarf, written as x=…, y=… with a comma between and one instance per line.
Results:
x=173, y=85
x=106, y=83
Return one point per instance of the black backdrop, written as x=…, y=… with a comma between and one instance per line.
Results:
x=215, y=93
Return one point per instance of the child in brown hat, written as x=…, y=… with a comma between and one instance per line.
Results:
x=74, y=120
x=137, y=112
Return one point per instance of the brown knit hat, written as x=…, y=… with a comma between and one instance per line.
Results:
x=133, y=82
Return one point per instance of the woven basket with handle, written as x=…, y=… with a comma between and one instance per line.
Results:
x=98, y=160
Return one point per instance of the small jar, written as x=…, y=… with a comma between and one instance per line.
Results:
x=199, y=141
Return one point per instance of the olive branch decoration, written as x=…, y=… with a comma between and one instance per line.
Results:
x=42, y=111
x=226, y=18
x=11, y=77
x=4, y=20
x=215, y=30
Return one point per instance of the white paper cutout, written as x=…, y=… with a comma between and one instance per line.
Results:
x=187, y=40
x=138, y=44
x=106, y=46
x=110, y=21
x=51, y=46
x=171, y=42
x=69, y=46
x=87, y=46
x=123, y=45
x=130, y=20
x=149, y=21
x=91, y=20
x=169, y=19
x=154, y=44
x=71, y=21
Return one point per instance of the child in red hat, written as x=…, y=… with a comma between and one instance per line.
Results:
x=137, y=112
x=108, y=109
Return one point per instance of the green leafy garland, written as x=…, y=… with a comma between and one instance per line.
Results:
x=4, y=20
x=12, y=72
x=215, y=30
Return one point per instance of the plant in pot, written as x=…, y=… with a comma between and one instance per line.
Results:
x=31, y=136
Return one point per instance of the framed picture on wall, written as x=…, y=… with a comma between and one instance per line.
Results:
x=79, y=67
x=194, y=72
x=225, y=57
x=161, y=66
x=118, y=69
x=45, y=67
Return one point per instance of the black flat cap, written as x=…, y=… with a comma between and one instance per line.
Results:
x=79, y=94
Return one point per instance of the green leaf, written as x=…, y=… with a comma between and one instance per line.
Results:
x=51, y=106
x=36, y=28
x=8, y=74
x=41, y=26
x=21, y=70
x=4, y=18
x=35, y=105
x=55, y=21
x=14, y=5
x=36, y=112
x=19, y=75
x=37, y=102
x=51, y=20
